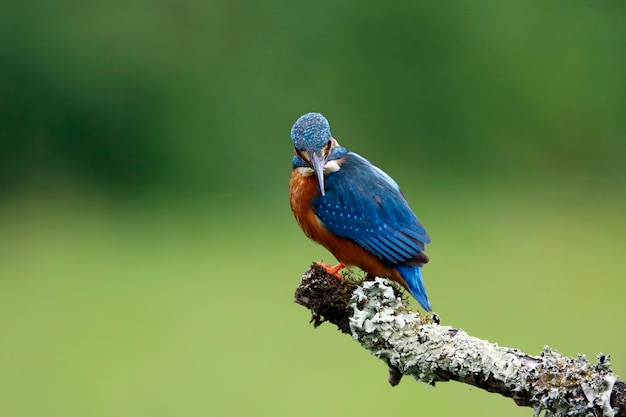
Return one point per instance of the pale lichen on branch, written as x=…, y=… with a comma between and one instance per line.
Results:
x=415, y=344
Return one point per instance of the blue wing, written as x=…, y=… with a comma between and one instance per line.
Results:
x=364, y=204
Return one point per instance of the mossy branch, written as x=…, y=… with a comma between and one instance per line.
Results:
x=416, y=344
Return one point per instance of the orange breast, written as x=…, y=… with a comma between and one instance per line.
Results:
x=302, y=190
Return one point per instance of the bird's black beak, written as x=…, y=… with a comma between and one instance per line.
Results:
x=317, y=163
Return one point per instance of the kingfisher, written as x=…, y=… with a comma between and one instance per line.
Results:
x=354, y=209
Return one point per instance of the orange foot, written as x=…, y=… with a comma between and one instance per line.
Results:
x=332, y=270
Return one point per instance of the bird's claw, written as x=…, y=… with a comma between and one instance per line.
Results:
x=332, y=270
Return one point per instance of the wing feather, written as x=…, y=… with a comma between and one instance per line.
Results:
x=364, y=204
x=382, y=249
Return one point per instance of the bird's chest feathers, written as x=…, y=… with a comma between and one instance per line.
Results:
x=303, y=188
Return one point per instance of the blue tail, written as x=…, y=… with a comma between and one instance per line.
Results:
x=412, y=275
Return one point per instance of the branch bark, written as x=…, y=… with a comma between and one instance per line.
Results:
x=416, y=344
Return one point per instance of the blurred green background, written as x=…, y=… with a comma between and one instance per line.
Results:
x=148, y=256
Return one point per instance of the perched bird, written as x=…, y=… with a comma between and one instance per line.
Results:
x=354, y=209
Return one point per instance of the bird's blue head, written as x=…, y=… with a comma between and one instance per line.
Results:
x=317, y=151
x=311, y=132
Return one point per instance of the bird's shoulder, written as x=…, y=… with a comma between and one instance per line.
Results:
x=358, y=179
x=360, y=168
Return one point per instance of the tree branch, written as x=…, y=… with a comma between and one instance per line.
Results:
x=415, y=344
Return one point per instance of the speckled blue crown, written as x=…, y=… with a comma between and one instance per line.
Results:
x=310, y=132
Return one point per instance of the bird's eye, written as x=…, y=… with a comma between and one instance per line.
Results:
x=329, y=144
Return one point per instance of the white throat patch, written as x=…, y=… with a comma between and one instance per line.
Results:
x=305, y=171
x=330, y=166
